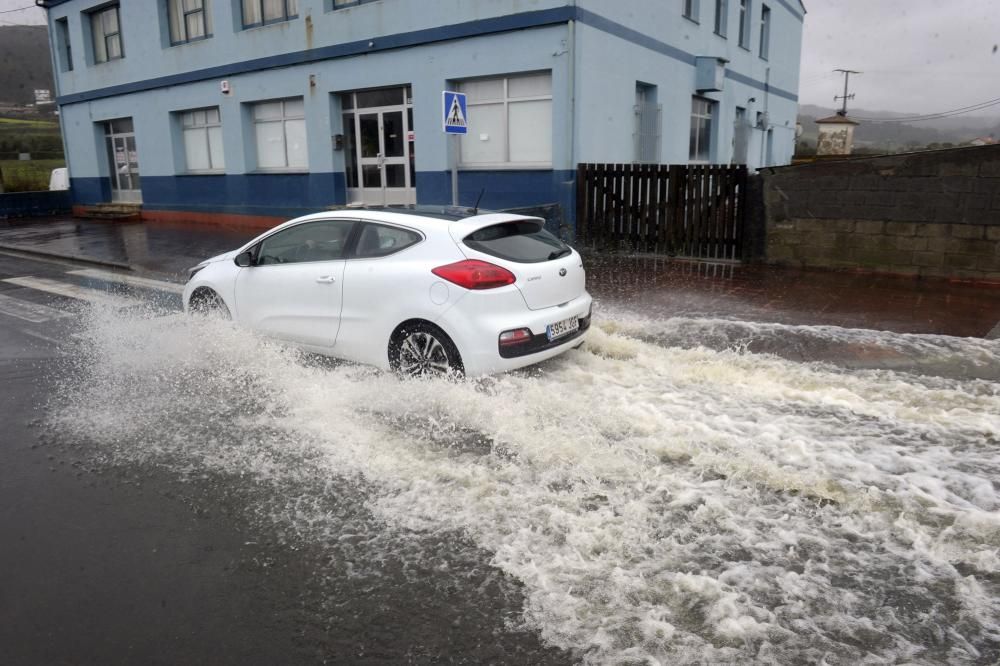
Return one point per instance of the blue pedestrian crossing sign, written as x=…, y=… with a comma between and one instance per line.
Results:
x=456, y=114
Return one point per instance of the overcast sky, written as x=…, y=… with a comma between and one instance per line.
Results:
x=918, y=56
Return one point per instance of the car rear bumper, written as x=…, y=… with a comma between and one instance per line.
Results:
x=541, y=343
x=476, y=322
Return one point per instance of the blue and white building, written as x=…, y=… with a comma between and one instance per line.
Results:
x=206, y=109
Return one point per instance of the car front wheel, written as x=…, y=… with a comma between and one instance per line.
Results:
x=421, y=349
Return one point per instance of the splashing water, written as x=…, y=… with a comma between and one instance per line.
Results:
x=660, y=500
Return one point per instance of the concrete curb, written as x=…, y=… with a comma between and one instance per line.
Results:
x=76, y=258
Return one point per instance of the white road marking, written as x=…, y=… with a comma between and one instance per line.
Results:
x=28, y=311
x=46, y=338
x=70, y=291
x=133, y=280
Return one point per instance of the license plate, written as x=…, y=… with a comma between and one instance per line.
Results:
x=561, y=328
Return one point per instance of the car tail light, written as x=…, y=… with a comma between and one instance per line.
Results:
x=475, y=274
x=516, y=337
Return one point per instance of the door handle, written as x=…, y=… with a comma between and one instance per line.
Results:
x=326, y=279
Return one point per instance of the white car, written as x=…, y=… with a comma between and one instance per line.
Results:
x=414, y=290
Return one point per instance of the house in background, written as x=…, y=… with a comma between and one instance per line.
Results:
x=257, y=110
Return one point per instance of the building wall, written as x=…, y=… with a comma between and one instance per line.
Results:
x=927, y=214
x=597, y=52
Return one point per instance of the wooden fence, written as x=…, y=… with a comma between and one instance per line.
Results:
x=680, y=210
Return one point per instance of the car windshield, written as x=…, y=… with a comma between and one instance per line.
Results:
x=525, y=242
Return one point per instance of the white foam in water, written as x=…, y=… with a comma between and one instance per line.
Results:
x=659, y=504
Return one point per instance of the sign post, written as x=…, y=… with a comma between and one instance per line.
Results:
x=456, y=123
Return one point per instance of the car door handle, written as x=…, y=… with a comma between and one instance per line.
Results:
x=326, y=279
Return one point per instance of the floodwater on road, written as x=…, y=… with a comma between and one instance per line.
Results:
x=677, y=491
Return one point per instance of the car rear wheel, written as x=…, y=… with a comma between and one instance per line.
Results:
x=421, y=349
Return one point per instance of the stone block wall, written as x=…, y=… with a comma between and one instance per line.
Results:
x=928, y=214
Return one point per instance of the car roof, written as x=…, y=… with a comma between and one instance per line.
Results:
x=422, y=217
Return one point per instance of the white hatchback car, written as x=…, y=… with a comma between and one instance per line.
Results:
x=416, y=290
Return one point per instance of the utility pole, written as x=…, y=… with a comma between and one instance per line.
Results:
x=847, y=77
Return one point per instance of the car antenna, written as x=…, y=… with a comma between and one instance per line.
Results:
x=475, y=209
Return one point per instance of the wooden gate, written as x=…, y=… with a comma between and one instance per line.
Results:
x=680, y=210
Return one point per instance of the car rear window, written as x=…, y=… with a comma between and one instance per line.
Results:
x=525, y=242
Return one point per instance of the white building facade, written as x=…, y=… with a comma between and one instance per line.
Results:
x=264, y=109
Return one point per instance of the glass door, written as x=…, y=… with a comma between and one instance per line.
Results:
x=123, y=161
x=379, y=148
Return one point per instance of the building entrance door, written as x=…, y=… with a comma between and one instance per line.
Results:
x=379, y=147
x=123, y=161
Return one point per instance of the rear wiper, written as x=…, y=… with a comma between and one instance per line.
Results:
x=559, y=253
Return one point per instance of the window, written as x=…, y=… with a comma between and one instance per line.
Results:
x=190, y=20
x=378, y=240
x=65, y=52
x=691, y=9
x=202, y=130
x=262, y=12
x=702, y=119
x=525, y=242
x=280, y=129
x=741, y=136
x=647, y=124
x=340, y=4
x=106, y=30
x=510, y=121
x=325, y=240
x=745, y=24
x=721, y=17
x=765, y=31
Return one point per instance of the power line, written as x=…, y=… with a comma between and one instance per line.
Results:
x=935, y=116
x=17, y=9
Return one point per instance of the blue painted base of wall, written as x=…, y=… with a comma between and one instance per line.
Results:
x=503, y=189
x=290, y=195
x=276, y=195
x=34, y=204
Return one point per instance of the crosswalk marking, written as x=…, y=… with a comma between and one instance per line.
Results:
x=132, y=280
x=71, y=291
x=28, y=311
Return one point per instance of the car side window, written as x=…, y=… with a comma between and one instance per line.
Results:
x=325, y=240
x=379, y=240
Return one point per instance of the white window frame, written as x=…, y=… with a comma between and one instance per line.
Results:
x=507, y=102
x=765, y=31
x=98, y=36
x=189, y=124
x=178, y=12
x=289, y=11
x=746, y=13
x=285, y=117
x=692, y=10
x=721, y=17
x=698, y=118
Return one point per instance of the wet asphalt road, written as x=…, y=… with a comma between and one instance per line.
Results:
x=112, y=565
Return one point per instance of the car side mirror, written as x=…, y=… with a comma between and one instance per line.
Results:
x=244, y=259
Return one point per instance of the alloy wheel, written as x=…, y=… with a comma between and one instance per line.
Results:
x=421, y=354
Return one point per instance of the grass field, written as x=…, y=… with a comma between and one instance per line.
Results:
x=38, y=137
x=29, y=176
x=16, y=123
